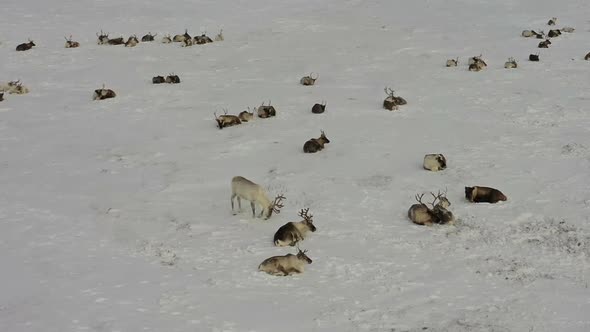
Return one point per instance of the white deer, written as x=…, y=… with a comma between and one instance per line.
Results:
x=250, y=191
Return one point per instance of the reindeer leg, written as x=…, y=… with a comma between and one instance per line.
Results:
x=253, y=209
x=282, y=269
x=239, y=203
x=232, y=203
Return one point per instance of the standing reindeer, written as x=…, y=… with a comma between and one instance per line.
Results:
x=71, y=44
x=250, y=191
x=421, y=214
x=25, y=46
x=392, y=102
x=315, y=144
x=266, y=111
x=309, y=80
x=292, y=232
x=285, y=265
x=226, y=120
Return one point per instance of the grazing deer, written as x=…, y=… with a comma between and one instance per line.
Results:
x=392, y=102
x=132, y=41
x=452, y=62
x=292, y=232
x=116, y=41
x=226, y=120
x=421, y=214
x=511, y=63
x=250, y=191
x=434, y=162
x=309, y=80
x=318, y=108
x=315, y=144
x=554, y=33
x=100, y=94
x=568, y=29
x=172, y=79
x=478, y=194
x=266, y=111
x=246, y=116
x=158, y=79
x=70, y=43
x=534, y=57
x=103, y=38
x=552, y=21
x=285, y=265
x=587, y=57
x=25, y=46
x=545, y=43
x=166, y=39
x=219, y=36
x=149, y=37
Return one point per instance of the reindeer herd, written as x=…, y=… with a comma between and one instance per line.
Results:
x=291, y=233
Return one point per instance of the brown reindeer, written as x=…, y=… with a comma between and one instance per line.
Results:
x=149, y=37
x=315, y=144
x=587, y=57
x=421, y=214
x=103, y=38
x=292, y=232
x=554, y=33
x=100, y=94
x=243, y=188
x=158, y=79
x=116, y=41
x=172, y=79
x=285, y=265
x=511, y=63
x=318, y=108
x=534, y=57
x=552, y=21
x=452, y=62
x=219, y=36
x=226, y=120
x=202, y=39
x=132, y=41
x=25, y=46
x=479, y=194
x=266, y=111
x=392, y=102
x=70, y=43
x=1, y=96
x=544, y=44
x=309, y=80
x=166, y=39
x=183, y=37
x=246, y=116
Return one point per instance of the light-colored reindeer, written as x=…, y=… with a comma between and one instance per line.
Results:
x=309, y=80
x=285, y=265
x=292, y=232
x=71, y=44
x=421, y=214
x=243, y=188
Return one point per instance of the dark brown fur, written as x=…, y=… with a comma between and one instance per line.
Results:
x=545, y=43
x=315, y=144
x=25, y=46
x=158, y=79
x=172, y=79
x=116, y=41
x=534, y=57
x=318, y=108
x=478, y=194
x=587, y=57
x=149, y=37
x=266, y=111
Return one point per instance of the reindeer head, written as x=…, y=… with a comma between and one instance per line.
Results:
x=275, y=206
x=324, y=138
x=302, y=256
x=103, y=38
x=307, y=219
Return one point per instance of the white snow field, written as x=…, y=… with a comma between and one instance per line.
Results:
x=115, y=215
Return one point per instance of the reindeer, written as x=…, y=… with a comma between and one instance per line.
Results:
x=511, y=63
x=544, y=44
x=226, y=120
x=183, y=37
x=568, y=29
x=392, y=102
x=528, y=33
x=188, y=42
x=309, y=80
x=202, y=39
x=16, y=87
x=1, y=96
x=25, y=46
x=554, y=33
x=452, y=62
x=132, y=41
x=166, y=39
x=552, y=21
x=421, y=214
x=219, y=36
x=587, y=57
x=534, y=57
x=116, y=41
x=315, y=144
x=266, y=111
x=476, y=63
x=70, y=43
x=250, y=191
x=172, y=79
x=149, y=37
x=479, y=194
x=434, y=162
x=292, y=232
x=103, y=38
x=100, y=94
x=246, y=116
x=158, y=79
x=318, y=108
x=285, y=265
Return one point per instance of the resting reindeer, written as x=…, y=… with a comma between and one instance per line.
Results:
x=219, y=36
x=421, y=214
x=479, y=194
x=315, y=144
x=292, y=232
x=476, y=63
x=266, y=111
x=14, y=87
x=71, y=44
x=166, y=39
x=243, y=188
x=149, y=37
x=452, y=62
x=318, y=108
x=392, y=102
x=183, y=37
x=511, y=63
x=246, y=116
x=100, y=94
x=285, y=265
x=226, y=120
x=309, y=80
x=434, y=162
x=132, y=41
x=25, y=46
x=587, y=57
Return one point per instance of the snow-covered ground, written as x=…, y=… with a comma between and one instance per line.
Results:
x=115, y=215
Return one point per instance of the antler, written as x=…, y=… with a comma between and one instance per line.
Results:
x=276, y=205
x=303, y=214
x=419, y=198
x=389, y=91
x=436, y=197
x=322, y=132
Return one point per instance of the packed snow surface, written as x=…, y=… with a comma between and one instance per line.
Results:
x=115, y=215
